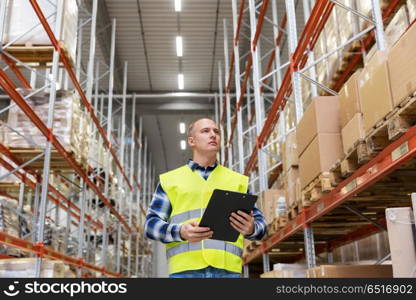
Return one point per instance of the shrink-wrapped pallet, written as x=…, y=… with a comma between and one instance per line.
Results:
x=3, y=171
x=21, y=18
x=70, y=124
x=26, y=268
x=411, y=10
x=9, y=224
x=396, y=27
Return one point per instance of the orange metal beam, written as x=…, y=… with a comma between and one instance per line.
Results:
x=377, y=168
x=16, y=71
x=260, y=21
x=41, y=251
x=9, y=87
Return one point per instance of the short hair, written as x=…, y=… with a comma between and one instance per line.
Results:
x=191, y=126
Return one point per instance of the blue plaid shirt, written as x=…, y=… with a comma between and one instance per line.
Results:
x=158, y=228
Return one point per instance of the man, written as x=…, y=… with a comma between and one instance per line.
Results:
x=179, y=202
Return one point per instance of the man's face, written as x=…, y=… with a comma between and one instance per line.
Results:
x=205, y=136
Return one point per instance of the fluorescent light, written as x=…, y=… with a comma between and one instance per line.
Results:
x=179, y=46
x=180, y=81
x=182, y=128
x=183, y=145
x=178, y=5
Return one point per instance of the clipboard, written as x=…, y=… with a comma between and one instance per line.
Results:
x=220, y=206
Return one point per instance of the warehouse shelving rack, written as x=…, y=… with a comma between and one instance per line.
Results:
x=134, y=171
x=382, y=177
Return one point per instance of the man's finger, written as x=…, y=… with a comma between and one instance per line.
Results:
x=239, y=218
x=238, y=224
x=240, y=230
x=244, y=215
x=200, y=229
x=202, y=234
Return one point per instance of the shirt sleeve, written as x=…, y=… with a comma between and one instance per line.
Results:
x=156, y=225
x=260, y=226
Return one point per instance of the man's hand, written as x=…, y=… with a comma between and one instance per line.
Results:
x=191, y=232
x=242, y=222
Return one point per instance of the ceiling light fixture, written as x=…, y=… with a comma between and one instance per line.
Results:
x=178, y=5
x=180, y=81
x=182, y=128
x=179, y=46
x=183, y=145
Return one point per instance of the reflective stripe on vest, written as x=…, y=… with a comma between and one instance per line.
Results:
x=208, y=244
x=187, y=215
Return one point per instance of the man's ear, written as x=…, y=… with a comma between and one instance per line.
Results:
x=191, y=141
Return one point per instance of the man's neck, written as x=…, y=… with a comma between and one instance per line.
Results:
x=204, y=160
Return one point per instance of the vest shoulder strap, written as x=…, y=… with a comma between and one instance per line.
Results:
x=170, y=177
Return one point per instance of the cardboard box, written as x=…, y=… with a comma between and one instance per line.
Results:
x=292, y=184
x=349, y=99
x=352, y=132
x=321, y=116
x=402, y=66
x=396, y=27
x=350, y=271
x=267, y=202
x=290, y=152
x=292, y=273
x=375, y=91
x=319, y=156
x=402, y=241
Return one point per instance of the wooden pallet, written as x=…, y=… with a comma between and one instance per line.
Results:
x=320, y=185
x=389, y=129
x=41, y=54
x=356, y=156
x=393, y=126
x=403, y=119
x=293, y=212
x=57, y=162
x=279, y=222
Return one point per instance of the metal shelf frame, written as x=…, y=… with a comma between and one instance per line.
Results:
x=134, y=172
x=250, y=157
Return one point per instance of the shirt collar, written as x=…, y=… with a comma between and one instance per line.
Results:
x=194, y=165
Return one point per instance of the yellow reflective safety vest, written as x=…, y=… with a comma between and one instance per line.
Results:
x=189, y=194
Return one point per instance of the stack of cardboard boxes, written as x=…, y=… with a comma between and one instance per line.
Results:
x=318, y=138
x=351, y=116
x=402, y=66
x=350, y=271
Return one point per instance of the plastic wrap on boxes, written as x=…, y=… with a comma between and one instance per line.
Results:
x=68, y=125
x=364, y=7
x=110, y=258
x=21, y=17
x=95, y=152
x=25, y=268
x=344, y=16
x=3, y=171
x=332, y=41
x=411, y=9
x=9, y=224
x=396, y=27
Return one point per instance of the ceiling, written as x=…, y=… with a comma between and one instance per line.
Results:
x=146, y=33
x=145, y=38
